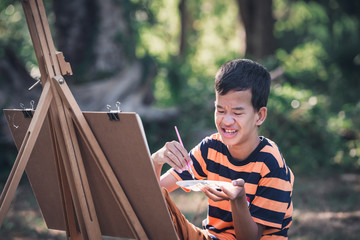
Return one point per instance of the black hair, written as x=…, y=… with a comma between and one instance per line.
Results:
x=241, y=75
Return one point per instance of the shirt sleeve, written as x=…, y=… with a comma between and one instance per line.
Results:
x=272, y=198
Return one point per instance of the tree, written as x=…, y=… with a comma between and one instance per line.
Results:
x=98, y=38
x=259, y=26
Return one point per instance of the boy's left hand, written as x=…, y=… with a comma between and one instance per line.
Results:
x=232, y=191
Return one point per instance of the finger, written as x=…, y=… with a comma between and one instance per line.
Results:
x=173, y=161
x=231, y=193
x=180, y=148
x=215, y=195
x=183, y=152
x=238, y=182
x=236, y=190
x=180, y=153
x=171, y=158
x=217, y=192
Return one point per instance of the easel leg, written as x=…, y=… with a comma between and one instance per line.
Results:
x=100, y=159
x=72, y=229
x=75, y=172
x=25, y=151
x=70, y=166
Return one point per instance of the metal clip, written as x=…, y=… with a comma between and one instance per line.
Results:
x=118, y=106
x=28, y=112
x=112, y=114
x=32, y=104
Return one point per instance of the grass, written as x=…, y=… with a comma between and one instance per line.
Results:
x=325, y=207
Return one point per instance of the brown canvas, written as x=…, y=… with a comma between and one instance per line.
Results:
x=124, y=145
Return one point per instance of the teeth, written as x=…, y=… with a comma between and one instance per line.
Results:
x=229, y=131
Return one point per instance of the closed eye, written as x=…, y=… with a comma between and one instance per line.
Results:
x=219, y=109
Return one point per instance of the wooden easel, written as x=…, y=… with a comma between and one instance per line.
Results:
x=58, y=106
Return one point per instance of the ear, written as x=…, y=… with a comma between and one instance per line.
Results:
x=261, y=116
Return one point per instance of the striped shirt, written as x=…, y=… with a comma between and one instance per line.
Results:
x=268, y=186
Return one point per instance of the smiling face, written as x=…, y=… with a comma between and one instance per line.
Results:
x=237, y=122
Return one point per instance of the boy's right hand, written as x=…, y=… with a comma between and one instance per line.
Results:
x=174, y=154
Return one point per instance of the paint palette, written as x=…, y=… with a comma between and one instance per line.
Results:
x=196, y=185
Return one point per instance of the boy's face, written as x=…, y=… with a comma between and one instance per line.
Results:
x=236, y=119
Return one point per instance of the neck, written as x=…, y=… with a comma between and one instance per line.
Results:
x=241, y=152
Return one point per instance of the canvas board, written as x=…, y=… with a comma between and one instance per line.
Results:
x=125, y=147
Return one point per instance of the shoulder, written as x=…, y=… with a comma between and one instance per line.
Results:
x=274, y=164
x=213, y=141
x=272, y=158
x=209, y=146
x=271, y=154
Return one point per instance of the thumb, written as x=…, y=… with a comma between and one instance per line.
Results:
x=238, y=182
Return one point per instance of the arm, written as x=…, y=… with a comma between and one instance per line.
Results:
x=176, y=156
x=168, y=181
x=245, y=227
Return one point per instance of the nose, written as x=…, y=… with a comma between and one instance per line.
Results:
x=228, y=120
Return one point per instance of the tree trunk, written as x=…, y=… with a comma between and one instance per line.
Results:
x=184, y=28
x=75, y=28
x=98, y=35
x=259, y=25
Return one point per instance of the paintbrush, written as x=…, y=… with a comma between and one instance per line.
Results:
x=187, y=162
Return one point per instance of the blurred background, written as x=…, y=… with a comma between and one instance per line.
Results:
x=159, y=58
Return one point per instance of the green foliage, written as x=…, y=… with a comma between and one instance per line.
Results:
x=314, y=107
x=14, y=33
x=318, y=51
x=186, y=79
x=305, y=107
x=297, y=123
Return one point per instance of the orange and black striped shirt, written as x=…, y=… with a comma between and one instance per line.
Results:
x=268, y=186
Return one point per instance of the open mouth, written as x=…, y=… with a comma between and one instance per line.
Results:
x=228, y=132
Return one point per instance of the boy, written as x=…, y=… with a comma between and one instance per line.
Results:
x=257, y=205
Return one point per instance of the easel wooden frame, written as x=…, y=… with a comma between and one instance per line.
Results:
x=57, y=103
